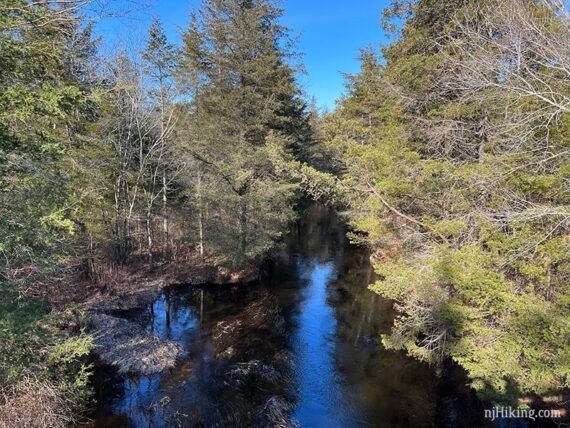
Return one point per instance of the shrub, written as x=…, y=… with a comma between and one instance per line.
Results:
x=44, y=381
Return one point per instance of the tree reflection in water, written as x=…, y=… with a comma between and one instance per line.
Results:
x=301, y=348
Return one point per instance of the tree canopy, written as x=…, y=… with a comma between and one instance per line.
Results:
x=453, y=146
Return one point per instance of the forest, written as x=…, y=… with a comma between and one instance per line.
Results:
x=447, y=157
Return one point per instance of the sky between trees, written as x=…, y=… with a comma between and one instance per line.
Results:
x=330, y=35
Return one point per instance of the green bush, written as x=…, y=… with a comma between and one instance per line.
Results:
x=34, y=348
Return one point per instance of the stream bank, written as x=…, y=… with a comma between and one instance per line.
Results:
x=299, y=348
x=124, y=345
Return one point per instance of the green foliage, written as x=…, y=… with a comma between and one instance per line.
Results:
x=64, y=364
x=246, y=101
x=449, y=228
x=468, y=226
x=44, y=104
x=497, y=335
x=47, y=104
x=32, y=344
x=20, y=332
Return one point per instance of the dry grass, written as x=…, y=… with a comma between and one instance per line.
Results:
x=126, y=346
x=33, y=403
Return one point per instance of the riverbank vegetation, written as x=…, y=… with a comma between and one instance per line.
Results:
x=152, y=156
x=452, y=145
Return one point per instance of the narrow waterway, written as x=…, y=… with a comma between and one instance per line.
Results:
x=302, y=348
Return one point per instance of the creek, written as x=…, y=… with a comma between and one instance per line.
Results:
x=300, y=348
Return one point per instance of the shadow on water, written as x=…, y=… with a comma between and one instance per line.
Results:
x=300, y=349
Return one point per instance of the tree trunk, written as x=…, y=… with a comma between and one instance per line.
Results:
x=242, y=228
x=149, y=240
x=201, y=233
x=125, y=241
x=165, y=225
x=200, y=218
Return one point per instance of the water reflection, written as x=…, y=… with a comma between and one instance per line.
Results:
x=173, y=316
x=301, y=349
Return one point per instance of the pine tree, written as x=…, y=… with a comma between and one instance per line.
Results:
x=46, y=103
x=453, y=166
x=245, y=96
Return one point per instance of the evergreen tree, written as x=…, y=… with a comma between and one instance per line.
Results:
x=454, y=164
x=245, y=97
x=46, y=103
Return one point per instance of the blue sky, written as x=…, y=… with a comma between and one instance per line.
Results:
x=331, y=32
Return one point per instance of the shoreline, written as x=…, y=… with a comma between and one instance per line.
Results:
x=121, y=343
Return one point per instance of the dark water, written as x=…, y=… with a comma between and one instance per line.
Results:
x=314, y=360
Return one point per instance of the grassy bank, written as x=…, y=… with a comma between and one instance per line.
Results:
x=44, y=378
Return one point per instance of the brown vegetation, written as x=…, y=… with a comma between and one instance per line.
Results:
x=261, y=314
x=33, y=403
x=127, y=347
